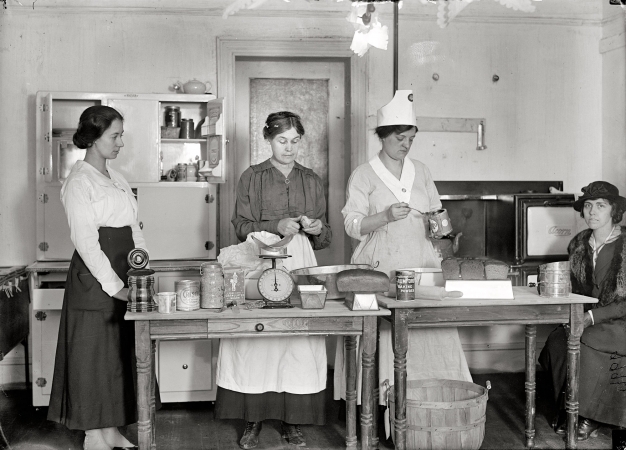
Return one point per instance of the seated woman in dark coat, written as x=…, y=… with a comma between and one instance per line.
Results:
x=598, y=269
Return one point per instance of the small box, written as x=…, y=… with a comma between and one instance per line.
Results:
x=312, y=296
x=234, y=285
x=170, y=132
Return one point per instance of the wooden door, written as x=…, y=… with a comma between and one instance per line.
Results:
x=315, y=90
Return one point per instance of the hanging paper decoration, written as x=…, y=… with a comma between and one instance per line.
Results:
x=448, y=9
x=369, y=32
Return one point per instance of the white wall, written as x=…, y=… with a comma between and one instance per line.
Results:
x=544, y=116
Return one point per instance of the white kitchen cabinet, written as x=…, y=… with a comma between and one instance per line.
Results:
x=185, y=369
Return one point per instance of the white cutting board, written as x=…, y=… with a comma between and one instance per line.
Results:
x=497, y=289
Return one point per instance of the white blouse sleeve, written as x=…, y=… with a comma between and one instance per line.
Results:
x=357, y=204
x=76, y=199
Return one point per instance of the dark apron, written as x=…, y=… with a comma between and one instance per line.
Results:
x=94, y=384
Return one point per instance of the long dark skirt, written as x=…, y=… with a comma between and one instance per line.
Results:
x=94, y=371
x=602, y=381
x=303, y=409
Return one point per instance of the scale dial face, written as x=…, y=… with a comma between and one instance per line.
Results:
x=276, y=285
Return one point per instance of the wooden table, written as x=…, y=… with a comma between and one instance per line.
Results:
x=334, y=319
x=527, y=308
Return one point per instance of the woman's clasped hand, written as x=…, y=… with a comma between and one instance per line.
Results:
x=398, y=211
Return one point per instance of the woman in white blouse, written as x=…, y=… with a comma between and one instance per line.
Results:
x=93, y=388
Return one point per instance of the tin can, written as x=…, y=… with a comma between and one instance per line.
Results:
x=181, y=172
x=141, y=294
x=405, y=285
x=439, y=223
x=187, y=129
x=166, y=302
x=211, y=285
x=172, y=116
x=187, y=295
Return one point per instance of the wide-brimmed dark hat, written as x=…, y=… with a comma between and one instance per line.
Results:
x=599, y=189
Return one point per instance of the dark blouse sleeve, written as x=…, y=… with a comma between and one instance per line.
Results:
x=615, y=310
x=246, y=216
x=323, y=240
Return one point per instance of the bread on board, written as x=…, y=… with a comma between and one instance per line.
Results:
x=474, y=269
x=362, y=280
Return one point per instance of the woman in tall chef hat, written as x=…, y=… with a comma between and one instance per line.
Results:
x=382, y=198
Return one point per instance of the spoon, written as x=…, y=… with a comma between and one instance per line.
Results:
x=423, y=214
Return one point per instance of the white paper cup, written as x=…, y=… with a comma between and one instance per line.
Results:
x=166, y=302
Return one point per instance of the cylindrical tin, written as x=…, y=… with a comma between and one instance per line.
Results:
x=186, y=129
x=439, y=223
x=181, y=172
x=172, y=116
x=141, y=293
x=211, y=285
x=187, y=295
x=405, y=285
x=137, y=258
x=192, y=171
x=553, y=279
x=166, y=302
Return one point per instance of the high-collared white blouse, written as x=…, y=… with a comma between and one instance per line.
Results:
x=91, y=201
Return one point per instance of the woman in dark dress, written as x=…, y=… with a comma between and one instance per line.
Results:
x=598, y=269
x=93, y=388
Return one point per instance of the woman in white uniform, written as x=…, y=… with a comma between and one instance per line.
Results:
x=382, y=198
x=277, y=378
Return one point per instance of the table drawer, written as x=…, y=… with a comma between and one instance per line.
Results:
x=316, y=325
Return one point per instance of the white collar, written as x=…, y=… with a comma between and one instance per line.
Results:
x=401, y=188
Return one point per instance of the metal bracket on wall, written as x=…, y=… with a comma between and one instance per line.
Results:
x=455, y=125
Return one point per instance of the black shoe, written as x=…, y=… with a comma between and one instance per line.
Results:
x=586, y=428
x=250, y=438
x=559, y=424
x=293, y=434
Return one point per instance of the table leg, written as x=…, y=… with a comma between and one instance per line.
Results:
x=26, y=364
x=152, y=396
x=367, y=362
x=350, y=350
x=400, y=342
x=531, y=361
x=143, y=350
x=376, y=393
x=573, y=371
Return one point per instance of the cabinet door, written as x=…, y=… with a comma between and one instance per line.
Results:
x=56, y=231
x=175, y=222
x=138, y=161
x=45, y=331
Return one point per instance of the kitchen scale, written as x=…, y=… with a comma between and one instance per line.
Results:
x=275, y=285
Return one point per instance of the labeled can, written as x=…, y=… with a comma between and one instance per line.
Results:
x=405, y=285
x=211, y=285
x=187, y=129
x=439, y=223
x=187, y=295
x=172, y=116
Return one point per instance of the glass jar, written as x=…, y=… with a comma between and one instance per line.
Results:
x=141, y=293
x=172, y=116
x=211, y=285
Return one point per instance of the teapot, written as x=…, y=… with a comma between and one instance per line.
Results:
x=192, y=87
x=446, y=246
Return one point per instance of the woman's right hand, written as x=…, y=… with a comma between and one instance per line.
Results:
x=289, y=226
x=398, y=211
x=122, y=295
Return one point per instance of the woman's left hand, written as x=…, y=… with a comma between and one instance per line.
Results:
x=587, y=322
x=315, y=228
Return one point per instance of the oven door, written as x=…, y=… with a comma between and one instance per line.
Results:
x=544, y=226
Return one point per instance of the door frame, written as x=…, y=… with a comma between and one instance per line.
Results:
x=227, y=52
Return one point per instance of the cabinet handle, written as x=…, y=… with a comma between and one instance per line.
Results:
x=185, y=366
x=259, y=327
x=141, y=225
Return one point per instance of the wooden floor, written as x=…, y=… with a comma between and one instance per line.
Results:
x=190, y=426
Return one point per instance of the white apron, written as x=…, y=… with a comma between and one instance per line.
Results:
x=433, y=352
x=294, y=364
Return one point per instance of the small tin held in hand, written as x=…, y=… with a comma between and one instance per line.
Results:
x=405, y=285
x=439, y=223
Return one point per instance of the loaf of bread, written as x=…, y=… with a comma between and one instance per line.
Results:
x=496, y=270
x=472, y=269
x=451, y=269
x=362, y=280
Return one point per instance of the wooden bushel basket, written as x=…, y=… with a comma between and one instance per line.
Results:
x=443, y=414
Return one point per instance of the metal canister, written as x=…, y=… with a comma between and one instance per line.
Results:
x=187, y=295
x=141, y=292
x=211, y=285
x=181, y=172
x=187, y=129
x=172, y=116
x=439, y=223
x=553, y=279
x=405, y=285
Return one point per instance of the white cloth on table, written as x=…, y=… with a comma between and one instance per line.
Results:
x=433, y=352
x=91, y=200
x=294, y=364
